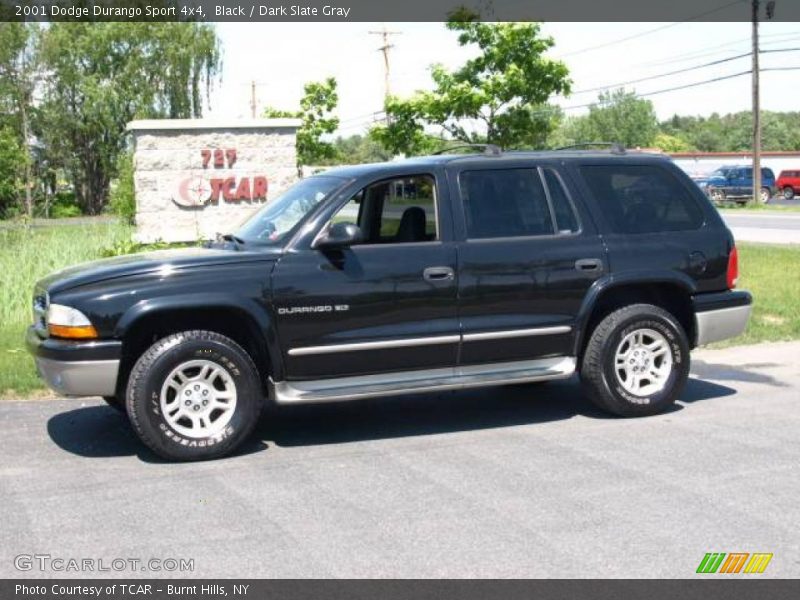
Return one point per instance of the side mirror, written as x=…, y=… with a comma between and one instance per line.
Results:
x=339, y=235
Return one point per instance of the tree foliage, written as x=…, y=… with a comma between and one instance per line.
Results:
x=17, y=82
x=733, y=132
x=100, y=76
x=319, y=101
x=617, y=116
x=500, y=96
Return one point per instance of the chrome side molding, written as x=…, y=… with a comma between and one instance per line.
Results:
x=412, y=382
x=378, y=345
x=430, y=341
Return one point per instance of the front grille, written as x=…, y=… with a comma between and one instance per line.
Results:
x=40, y=303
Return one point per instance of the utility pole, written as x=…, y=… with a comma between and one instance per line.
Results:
x=385, y=49
x=756, y=108
x=253, y=99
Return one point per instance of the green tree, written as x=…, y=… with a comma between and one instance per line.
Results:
x=103, y=75
x=358, y=149
x=317, y=105
x=617, y=116
x=671, y=143
x=499, y=97
x=18, y=58
x=10, y=176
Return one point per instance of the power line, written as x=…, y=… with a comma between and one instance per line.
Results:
x=683, y=70
x=648, y=32
x=719, y=48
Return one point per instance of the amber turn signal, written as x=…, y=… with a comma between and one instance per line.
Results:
x=81, y=332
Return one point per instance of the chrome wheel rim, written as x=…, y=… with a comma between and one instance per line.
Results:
x=643, y=362
x=764, y=196
x=198, y=399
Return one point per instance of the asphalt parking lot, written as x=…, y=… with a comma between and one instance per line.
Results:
x=527, y=481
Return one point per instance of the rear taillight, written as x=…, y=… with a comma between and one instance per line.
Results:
x=733, y=268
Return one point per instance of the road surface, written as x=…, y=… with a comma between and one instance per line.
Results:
x=768, y=227
x=527, y=481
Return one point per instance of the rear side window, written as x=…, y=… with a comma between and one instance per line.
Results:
x=505, y=203
x=566, y=221
x=642, y=198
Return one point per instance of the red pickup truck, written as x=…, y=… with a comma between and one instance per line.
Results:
x=789, y=183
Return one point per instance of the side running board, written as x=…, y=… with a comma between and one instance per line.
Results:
x=412, y=382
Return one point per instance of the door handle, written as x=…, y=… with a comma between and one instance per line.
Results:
x=438, y=274
x=589, y=265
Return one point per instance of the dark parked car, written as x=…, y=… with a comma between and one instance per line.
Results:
x=433, y=273
x=736, y=183
x=789, y=183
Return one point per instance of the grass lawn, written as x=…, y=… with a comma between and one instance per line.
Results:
x=769, y=272
x=27, y=254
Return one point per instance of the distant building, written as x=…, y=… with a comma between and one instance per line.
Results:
x=700, y=164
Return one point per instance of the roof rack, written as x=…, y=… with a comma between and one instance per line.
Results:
x=489, y=149
x=616, y=147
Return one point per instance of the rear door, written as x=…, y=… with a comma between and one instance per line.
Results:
x=658, y=225
x=527, y=255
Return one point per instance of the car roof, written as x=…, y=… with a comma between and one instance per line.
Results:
x=427, y=162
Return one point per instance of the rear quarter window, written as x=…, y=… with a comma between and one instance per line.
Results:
x=642, y=198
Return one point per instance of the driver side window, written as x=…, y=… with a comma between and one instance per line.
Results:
x=394, y=211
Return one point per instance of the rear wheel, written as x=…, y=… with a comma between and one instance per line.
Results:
x=636, y=362
x=788, y=192
x=765, y=195
x=194, y=395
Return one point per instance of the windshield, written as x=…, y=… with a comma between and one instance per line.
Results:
x=273, y=223
x=720, y=173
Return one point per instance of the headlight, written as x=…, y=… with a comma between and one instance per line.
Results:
x=67, y=322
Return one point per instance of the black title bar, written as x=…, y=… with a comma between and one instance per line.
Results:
x=394, y=10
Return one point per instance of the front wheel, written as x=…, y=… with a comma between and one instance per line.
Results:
x=636, y=362
x=194, y=395
x=788, y=192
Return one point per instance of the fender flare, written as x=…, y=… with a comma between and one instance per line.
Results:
x=246, y=307
x=617, y=280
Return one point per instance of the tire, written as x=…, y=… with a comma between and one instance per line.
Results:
x=717, y=195
x=765, y=195
x=788, y=192
x=599, y=369
x=194, y=395
x=117, y=404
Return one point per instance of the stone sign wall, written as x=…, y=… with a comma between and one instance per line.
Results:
x=196, y=178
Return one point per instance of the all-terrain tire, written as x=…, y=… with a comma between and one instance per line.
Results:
x=152, y=387
x=599, y=368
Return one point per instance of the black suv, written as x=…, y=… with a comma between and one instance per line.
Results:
x=426, y=274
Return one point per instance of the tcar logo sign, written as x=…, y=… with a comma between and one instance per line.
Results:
x=197, y=191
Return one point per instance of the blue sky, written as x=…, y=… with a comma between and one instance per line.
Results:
x=282, y=57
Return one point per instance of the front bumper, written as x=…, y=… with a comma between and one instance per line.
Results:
x=721, y=316
x=88, y=368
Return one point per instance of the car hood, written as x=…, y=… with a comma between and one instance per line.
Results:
x=150, y=262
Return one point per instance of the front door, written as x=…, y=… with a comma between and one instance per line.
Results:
x=388, y=304
x=525, y=265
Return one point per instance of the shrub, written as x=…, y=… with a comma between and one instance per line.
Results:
x=123, y=199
